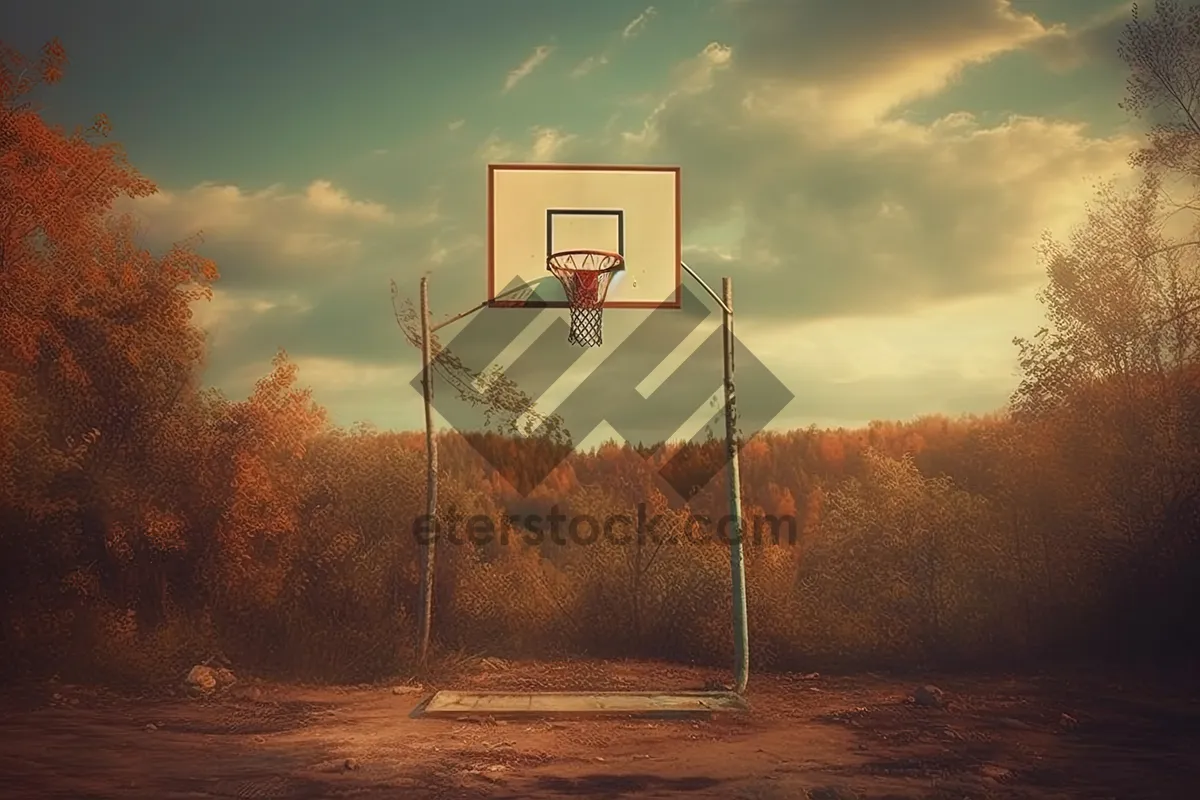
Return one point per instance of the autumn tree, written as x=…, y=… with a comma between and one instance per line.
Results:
x=1162, y=52
x=906, y=567
x=1108, y=393
x=98, y=360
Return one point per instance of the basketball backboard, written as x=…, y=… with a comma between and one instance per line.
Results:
x=538, y=209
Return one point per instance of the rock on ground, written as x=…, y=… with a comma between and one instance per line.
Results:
x=204, y=679
x=929, y=696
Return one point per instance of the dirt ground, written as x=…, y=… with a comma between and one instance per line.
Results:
x=808, y=736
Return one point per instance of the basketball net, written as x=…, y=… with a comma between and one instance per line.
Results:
x=585, y=276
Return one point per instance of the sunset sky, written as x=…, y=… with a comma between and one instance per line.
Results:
x=874, y=176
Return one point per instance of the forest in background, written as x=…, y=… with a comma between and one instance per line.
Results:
x=147, y=522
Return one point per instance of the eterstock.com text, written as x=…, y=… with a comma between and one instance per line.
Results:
x=620, y=529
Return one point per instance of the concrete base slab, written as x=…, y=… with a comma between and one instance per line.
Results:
x=583, y=704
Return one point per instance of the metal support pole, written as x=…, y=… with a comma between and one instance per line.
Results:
x=425, y=616
x=737, y=562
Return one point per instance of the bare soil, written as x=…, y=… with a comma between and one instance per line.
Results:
x=808, y=737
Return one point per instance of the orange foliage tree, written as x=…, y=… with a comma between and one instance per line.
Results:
x=96, y=346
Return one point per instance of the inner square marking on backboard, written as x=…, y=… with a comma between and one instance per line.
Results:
x=585, y=229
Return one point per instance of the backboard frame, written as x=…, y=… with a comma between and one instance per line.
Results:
x=493, y=289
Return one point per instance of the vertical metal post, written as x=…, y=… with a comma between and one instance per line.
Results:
x=431, y=462
x=737, y=562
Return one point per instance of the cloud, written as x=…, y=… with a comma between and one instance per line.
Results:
x=588, y=65
x=283, y=232
x=227, y=315
x=1093, y=42
x=952, y=358
x=304, y=270
x=230, y=209
x=836, y=195
x=696, y=74
x=340, y=320
x=546, y=145
x=456, y=124
x=526, y=67
x=494, y=149
x=693, y=75
x=638, y=23
x=631, y=31
x=903, y=51
x=325, y=197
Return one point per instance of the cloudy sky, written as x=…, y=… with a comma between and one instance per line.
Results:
x=873, y=175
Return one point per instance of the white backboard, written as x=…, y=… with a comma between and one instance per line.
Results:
x=538, y=209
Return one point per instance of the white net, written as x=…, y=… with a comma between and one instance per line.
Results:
x=585, y=276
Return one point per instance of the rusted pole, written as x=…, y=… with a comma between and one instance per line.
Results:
x=737, y=556
x=431, y=464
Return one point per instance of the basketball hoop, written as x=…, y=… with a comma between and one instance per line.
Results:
x=585, y=276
